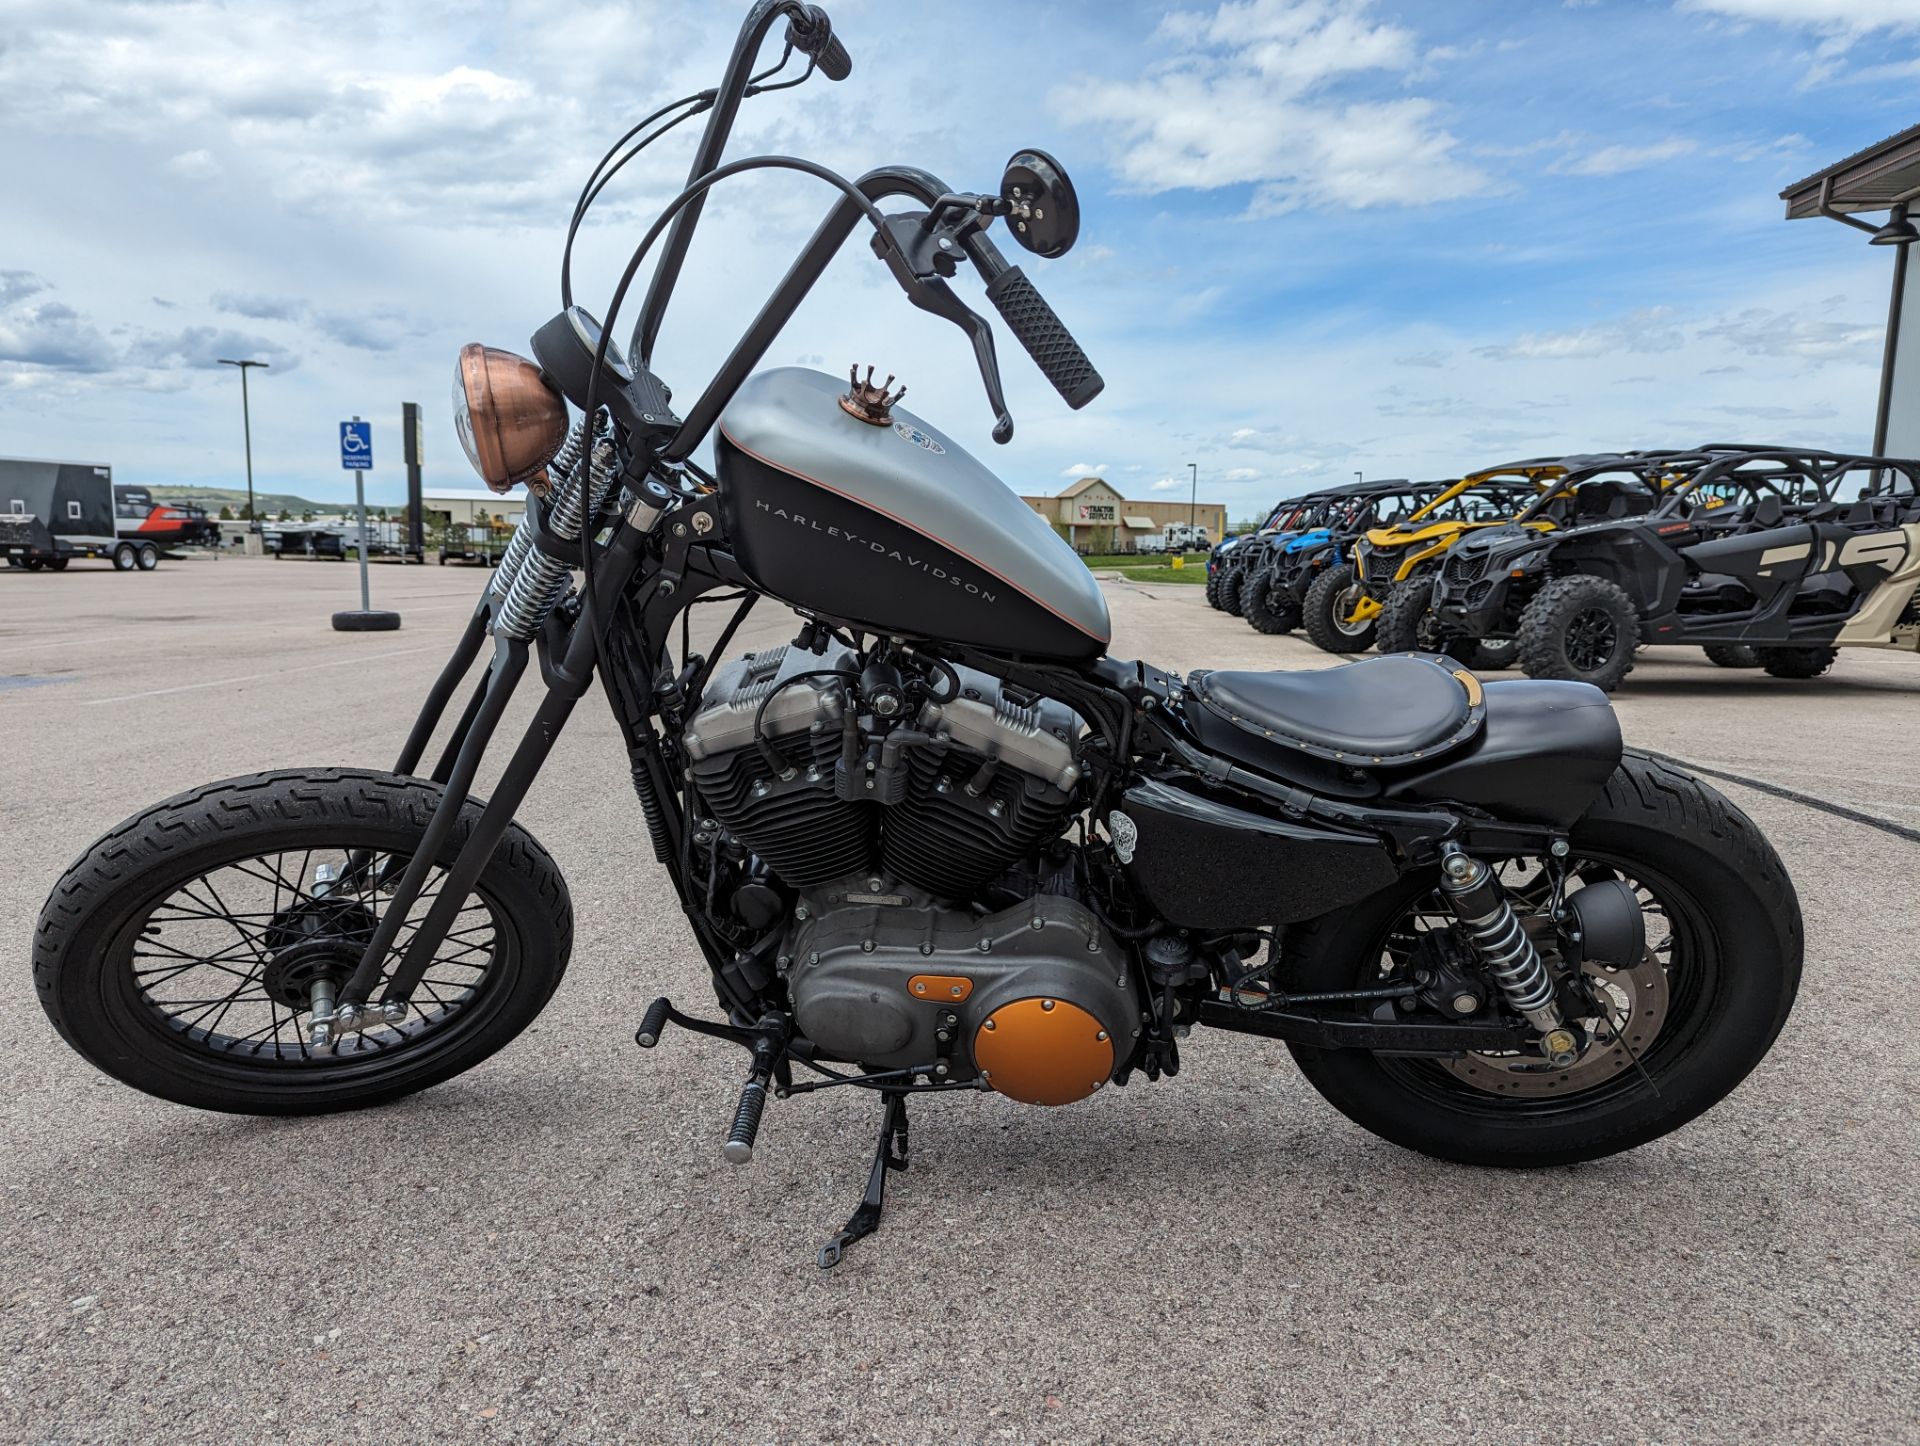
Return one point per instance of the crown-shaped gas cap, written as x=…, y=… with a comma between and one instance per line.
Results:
x=868, y=402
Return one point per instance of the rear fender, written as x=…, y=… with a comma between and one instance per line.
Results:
x=1545, y=752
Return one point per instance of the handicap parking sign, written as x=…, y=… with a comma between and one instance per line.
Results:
x=356, y=446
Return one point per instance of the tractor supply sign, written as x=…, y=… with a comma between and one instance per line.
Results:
x=1095, y=512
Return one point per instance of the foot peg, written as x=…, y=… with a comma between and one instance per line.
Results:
x=746, y=1123
x=652, y=1022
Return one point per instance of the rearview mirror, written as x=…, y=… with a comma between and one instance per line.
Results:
x=1046, y=215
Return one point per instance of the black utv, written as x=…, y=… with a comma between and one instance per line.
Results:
x=1279, y=576
x=1721, y=548
x=1229, y=567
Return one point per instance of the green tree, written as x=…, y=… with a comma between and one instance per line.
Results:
x=226, y=513
x=285, y=515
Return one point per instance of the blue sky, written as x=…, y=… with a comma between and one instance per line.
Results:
x=1320, y=235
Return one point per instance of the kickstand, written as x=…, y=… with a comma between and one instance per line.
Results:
x=866, y=1219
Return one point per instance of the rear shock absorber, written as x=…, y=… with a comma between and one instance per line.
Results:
x=1474, y=895
x=539, y=579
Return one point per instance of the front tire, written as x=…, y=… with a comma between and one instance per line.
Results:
x=124, y=557
x=1328, y=613
x=1408, y=624
x=1583, y=629
x=1230, y=592
x=209, y=894
x=1729, y=967
x=1266, y=612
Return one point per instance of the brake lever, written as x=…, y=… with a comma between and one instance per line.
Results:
x=932, y=294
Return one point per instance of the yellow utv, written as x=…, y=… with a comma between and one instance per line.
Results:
x=1342, y=607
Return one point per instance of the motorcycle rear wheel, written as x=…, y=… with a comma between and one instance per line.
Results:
x=1724, y=932
x=179, y=954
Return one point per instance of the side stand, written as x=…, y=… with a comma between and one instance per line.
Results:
x=866, y=1219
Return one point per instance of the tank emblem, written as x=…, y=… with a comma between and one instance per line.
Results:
x=919, y=438
x=1126, y=835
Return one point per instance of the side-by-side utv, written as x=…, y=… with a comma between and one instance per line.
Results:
x=1792, y=554
x=1278, y=578
x=1341, y=609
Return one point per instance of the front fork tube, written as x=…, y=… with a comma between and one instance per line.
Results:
x=565, y=685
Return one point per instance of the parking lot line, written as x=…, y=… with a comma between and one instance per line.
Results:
x=256, y=677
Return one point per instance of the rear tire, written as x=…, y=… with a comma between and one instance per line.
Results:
x=1583, y=629
x=1328, y=605
x=1734, y=912
x=1797, y=662
x=58, y=564
x=1267, y=613
x=148, y=558
x=1731, y=655
x=86, y=951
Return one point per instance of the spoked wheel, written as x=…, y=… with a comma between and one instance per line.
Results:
x=1662, y=1039
x=186, y=952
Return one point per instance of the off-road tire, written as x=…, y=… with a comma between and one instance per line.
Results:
x=1671, y=824
x=1214, y=580
x=1266, y=613
x=1797, y=662
x=1405, y=624
x=1732, y=655
x=1494, y=655
x=1230, y=591
x=1559, y=606
x=1319, y=607
x=92, y=999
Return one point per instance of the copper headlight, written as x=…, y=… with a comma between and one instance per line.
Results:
x=511, y=420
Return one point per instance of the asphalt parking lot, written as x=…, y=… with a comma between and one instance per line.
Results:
x=551, y=1248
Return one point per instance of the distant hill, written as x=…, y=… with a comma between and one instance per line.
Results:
x=271, y=504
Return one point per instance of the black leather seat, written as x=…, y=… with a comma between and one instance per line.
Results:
x=1383, y=711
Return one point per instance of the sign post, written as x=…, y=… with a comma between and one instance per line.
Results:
x=356, y=456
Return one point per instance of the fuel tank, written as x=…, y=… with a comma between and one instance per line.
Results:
x=894, y=527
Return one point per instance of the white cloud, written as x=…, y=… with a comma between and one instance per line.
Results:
x=1167, y=484
x=1246, y=101
x=1648, y=330
x=1858, y=16
x=1084, y=469
x=1613, y=160
x=1242, y=474
x=194, y=165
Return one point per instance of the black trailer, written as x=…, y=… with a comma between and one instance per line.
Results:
x=52, y=512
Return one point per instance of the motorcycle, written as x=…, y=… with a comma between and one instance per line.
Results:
x=943, y=840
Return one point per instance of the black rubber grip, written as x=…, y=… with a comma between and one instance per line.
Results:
x=746, y=1123
x=834, y=62
x=651, y=1023
x=811, y=33
x=1047, y=341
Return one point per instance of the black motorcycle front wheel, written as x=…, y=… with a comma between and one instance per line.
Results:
x=182, y=953
x=1672, y=1034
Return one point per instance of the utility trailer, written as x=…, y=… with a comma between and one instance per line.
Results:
x=53, y=512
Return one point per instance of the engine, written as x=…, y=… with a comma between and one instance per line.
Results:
x=917, y=818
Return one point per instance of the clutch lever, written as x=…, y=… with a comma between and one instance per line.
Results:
x=925, y=288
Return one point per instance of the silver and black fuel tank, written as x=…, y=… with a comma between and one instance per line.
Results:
x=894, y=526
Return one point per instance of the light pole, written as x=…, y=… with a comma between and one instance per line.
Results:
x=1192, y=505
x=1358, y=478
x=246, y=422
